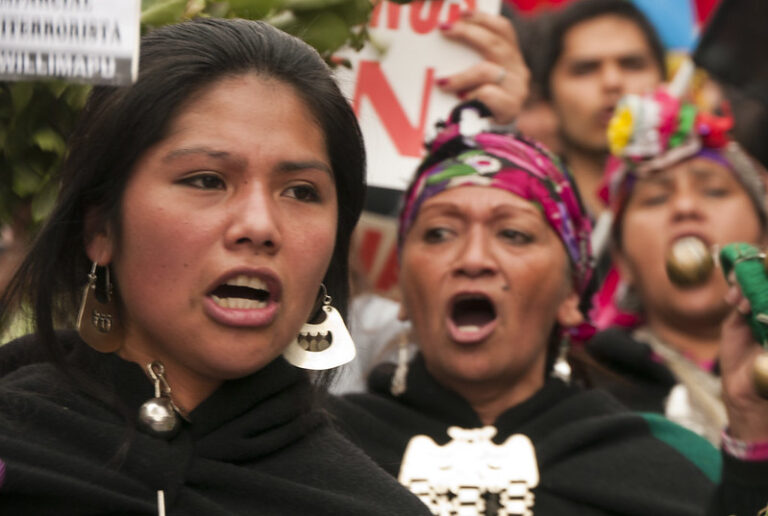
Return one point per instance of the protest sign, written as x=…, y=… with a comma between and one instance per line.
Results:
x=90, y=41
x=392, y=82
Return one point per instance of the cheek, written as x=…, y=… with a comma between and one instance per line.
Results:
x=420, y=285
x=159, y=243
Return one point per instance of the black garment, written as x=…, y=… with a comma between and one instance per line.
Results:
x=632, y=374
x=594, y=456
x=255, y=446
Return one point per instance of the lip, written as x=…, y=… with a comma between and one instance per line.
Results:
x=604, y=115
x=246, y=317
x=682, y=234
x=472, y=336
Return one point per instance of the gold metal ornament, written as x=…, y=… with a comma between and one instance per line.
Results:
x=689, y=262
x=97, y=322
x=760, y=374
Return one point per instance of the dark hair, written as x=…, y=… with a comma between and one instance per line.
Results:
x=119, y=124
x=580, y=11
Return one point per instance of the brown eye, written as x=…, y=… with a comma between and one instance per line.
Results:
x=303, y=193
x=436, y=235
x=205, y=182
x=516, y=237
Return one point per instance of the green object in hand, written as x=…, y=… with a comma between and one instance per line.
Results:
x=749, y=264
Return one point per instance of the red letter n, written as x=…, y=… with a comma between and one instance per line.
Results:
x=372, y=83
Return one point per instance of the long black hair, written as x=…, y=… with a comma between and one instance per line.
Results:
x=119, y=124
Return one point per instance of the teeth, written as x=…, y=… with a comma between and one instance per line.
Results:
x=239, y=303
x=469, y=327
x=247, y=281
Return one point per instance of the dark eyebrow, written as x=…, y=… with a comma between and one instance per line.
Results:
x=211, y=153
x=295, y=166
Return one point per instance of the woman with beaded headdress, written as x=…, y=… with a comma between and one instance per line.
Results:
x=494, y=254
x=677, y=186
x=207, y=212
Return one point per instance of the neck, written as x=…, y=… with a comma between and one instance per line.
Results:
x=490, y=401
x=188, y=390
x=587, y=167
x=698, y=340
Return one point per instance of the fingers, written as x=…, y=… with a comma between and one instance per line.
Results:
x=492, y=36
x=501, y=80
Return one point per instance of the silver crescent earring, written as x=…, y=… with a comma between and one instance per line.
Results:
x=322, y=345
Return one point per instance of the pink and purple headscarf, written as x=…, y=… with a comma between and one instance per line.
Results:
x=460, y=157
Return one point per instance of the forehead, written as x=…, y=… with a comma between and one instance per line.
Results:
x=604, y=37
x=697, y=169
x=478, y=201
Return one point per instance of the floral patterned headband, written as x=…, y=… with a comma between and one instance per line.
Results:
x=470, y=156
x=651, y=132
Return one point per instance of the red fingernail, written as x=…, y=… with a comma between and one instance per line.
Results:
x=462, y=94
x=445, y=26
x=466, y=14
x=441, y=82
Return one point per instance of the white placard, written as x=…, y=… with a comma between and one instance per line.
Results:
x=392, y=82
x=92, y=41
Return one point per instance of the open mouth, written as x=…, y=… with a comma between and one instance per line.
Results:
x=242, y=292
x=471, y=314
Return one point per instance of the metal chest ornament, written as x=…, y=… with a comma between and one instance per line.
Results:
x=690, y=263
x=471, y=475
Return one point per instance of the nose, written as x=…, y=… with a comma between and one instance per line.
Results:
x=254, y=222
x=685, y=204
x=612, y=78
x=475, y=258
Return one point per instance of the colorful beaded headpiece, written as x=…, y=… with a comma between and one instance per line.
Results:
x=463, y=154
x=651, y=132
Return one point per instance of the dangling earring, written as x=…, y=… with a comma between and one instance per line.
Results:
x=399, y=385
x=159, y=415
x=322, y=345
x=97, y=322
x=561, y=368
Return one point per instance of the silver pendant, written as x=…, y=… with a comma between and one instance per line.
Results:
x=159, y=415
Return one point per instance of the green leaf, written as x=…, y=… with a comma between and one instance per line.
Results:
x=21, y=93
x=162, y=12
x=323, y=30
x=44, y=201
x=354, y=12
x=49, y=140
x=57, y=88
x=25, y=180
x=252, y=9
x=76, y=95
x=309, y=5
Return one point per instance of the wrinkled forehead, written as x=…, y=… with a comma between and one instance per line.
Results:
x=472, y=199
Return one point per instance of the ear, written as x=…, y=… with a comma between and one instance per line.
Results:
x=568, y=313
x=99, y=243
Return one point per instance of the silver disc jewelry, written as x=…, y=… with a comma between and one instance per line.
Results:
x=160, y=415
x=97, y=321
x=323, y=345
